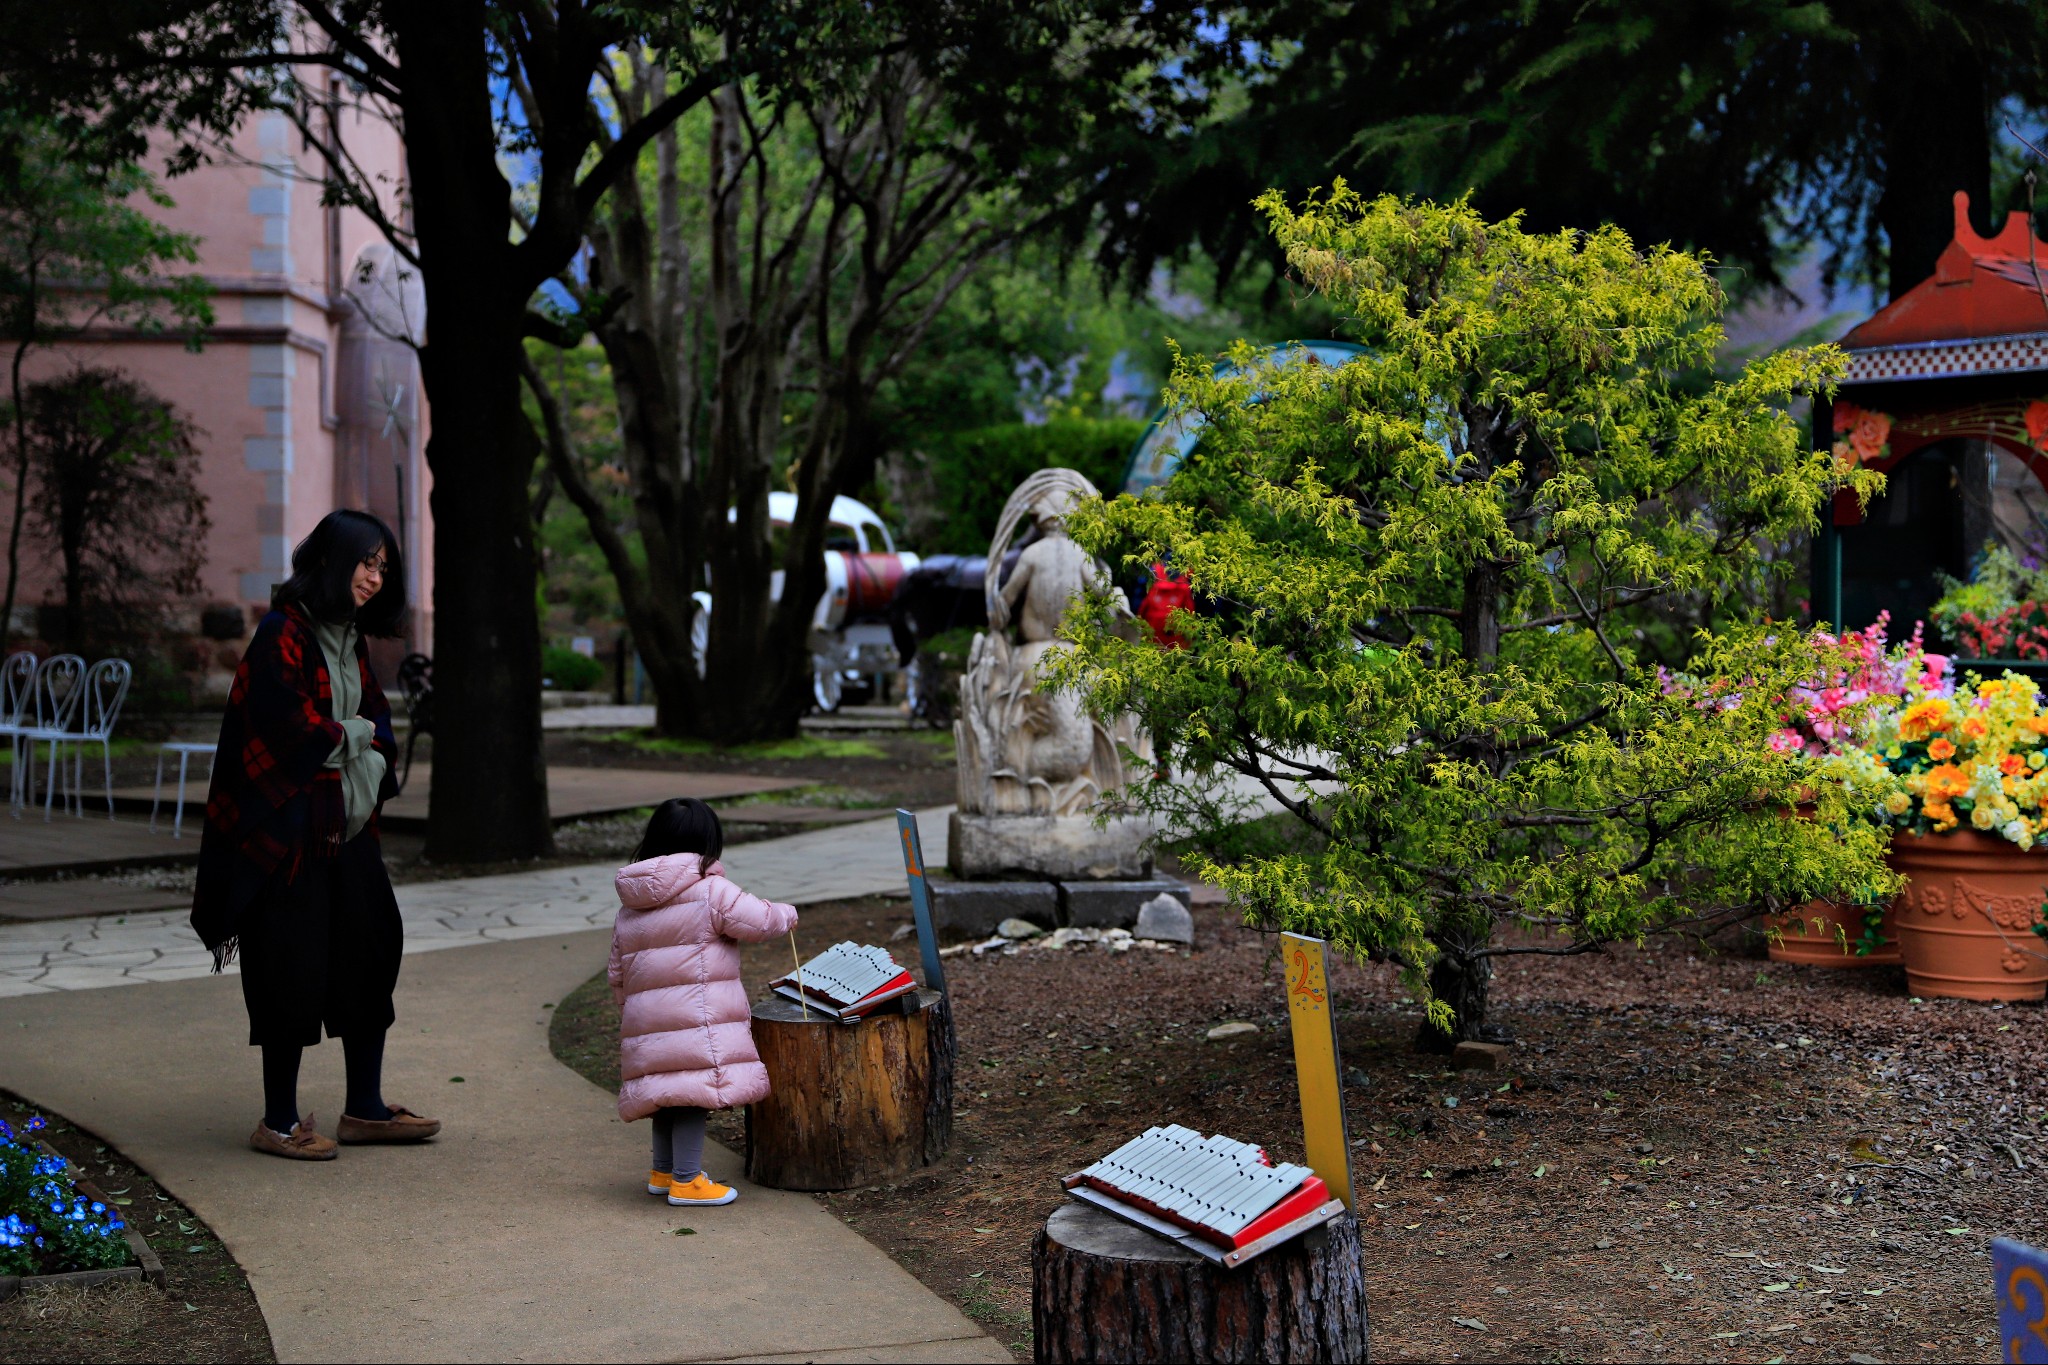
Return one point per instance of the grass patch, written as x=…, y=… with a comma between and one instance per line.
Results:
x=799, y=747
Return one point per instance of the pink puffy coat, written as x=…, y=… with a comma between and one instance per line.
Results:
x=684, y=1038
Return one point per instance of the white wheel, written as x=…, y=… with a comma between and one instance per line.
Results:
x=700, y=631
x=827, y=685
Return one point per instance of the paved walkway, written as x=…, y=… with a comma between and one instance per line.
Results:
x=521, y=1233
x=127, y=949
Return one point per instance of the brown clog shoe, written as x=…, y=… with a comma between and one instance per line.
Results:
x=301, y=1144
x=402, y=1126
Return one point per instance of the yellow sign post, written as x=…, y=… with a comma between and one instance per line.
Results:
x=1315, y=1062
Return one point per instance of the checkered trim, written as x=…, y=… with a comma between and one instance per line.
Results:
x=1949, y=359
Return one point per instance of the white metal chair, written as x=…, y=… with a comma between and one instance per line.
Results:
x=58, y=689
x=17, y=682
x=105, y=688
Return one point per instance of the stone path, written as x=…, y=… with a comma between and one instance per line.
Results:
x=128, y=949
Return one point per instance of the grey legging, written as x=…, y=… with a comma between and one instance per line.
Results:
x=679, y=1142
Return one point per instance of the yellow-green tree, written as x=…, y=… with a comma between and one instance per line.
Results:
x=1427, y=568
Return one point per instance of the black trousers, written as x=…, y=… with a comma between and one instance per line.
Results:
x=323, y=947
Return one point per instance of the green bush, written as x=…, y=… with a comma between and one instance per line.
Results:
x=564, y=670
x=973, y=472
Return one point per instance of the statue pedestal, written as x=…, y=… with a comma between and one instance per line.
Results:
x=1052, y=847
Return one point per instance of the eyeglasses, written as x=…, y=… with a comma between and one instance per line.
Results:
x=377, y=564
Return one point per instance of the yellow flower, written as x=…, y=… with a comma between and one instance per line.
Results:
x=1983, y=818
x=1922, y=718
x=1898, y=803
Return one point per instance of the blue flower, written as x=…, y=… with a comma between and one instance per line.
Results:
x=36, y=1123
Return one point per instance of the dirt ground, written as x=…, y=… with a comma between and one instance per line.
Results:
x=1694, y=1155
x=205, y=1312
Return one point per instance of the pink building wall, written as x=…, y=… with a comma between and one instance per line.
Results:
x=306, y=394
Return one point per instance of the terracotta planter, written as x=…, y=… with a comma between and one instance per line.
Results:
x=1808, y=937
x=1965, y=920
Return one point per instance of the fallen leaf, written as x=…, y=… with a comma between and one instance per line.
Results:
x=1956, y=1232
x=1540, y=1170
x=984, y=1229
x=686, y=1232
x=1410, y=1227
x=1827, y=1269
x=455, y=1080
x=1778, y=1288
x=1380, y=1184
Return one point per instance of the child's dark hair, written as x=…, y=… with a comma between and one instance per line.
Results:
x=682, y=824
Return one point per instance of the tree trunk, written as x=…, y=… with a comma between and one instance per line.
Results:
x=853, y=1104
x=1935, y=119
x=1103, y=1290
x=1464, y=983
x=489, y=798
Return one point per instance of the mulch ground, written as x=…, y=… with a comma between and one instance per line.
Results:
x=206, y=1311
x=1695, y=1154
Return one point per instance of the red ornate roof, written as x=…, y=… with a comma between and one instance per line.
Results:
x=1983, y=311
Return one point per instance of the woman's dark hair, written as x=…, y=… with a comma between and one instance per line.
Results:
x=325, y=562
x=682, y=824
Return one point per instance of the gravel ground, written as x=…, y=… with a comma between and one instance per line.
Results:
x=1694, y=1154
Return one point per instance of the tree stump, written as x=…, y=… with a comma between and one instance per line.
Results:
x=1103, y=1290
x=852, y=1104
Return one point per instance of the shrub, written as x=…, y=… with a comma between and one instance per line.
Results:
x=1429, y=566
x=564, y=670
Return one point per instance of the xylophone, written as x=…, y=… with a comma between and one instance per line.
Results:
x=1222, y=1198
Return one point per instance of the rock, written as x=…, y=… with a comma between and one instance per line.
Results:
x=1234, y=1029
x=1018, y=929
x=1047, y=846
x=976, y=908
x=1480, y=1056
x=1164, y=920
x=1115, y=904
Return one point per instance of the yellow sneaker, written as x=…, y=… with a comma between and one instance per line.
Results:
x=659, y=1181
x=701, y=1189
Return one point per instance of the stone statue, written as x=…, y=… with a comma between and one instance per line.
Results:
x=1033, y=764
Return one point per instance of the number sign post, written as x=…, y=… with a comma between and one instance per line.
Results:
x=2020, y=1274
x=920, y=901
x=1315, y=1062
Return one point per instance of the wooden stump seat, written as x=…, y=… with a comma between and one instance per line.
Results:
x=1103, y=1290
x=852, y=1104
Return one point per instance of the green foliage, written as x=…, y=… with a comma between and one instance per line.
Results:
x=972, y=472
x=798, y=747
x=1427, y=564
x=564, y=670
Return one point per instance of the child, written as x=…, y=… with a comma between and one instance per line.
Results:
x=684, y=1042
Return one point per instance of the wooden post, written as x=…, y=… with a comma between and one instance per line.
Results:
x=852, y=1104
x=1103, y=1290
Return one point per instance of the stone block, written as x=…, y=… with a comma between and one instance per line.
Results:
x=1054, y=847
x=1114, y=904
x=1480, y=1057
x=976, y=908
x=1164, y=920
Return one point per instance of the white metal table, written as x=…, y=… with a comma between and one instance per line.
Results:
x=184, y=749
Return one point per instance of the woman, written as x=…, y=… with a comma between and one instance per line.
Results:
x=291, y=875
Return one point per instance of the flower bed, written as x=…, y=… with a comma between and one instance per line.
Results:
x=53, y=1227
